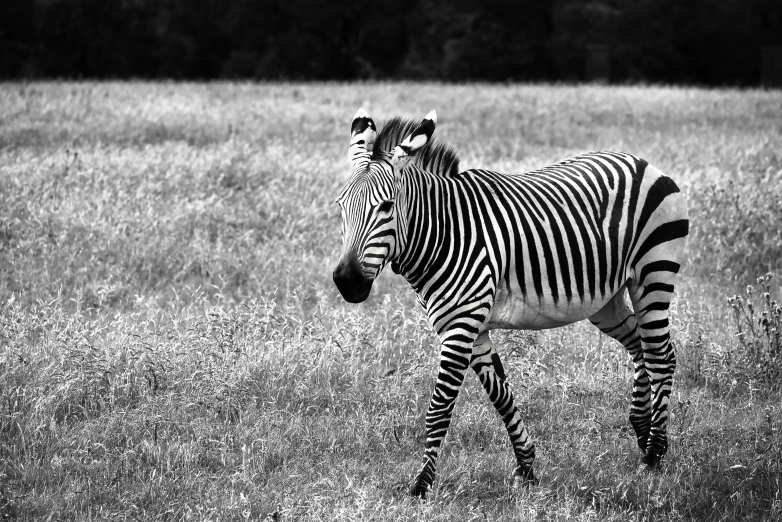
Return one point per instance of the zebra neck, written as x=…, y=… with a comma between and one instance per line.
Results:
x=424, y=226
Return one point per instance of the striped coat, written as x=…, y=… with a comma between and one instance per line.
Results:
x=486, y=250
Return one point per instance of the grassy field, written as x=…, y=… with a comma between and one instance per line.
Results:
x=172, y=346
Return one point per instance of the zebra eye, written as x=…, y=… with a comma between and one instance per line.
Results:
x=385, y=206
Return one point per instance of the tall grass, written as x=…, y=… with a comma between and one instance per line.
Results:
x=172, y=347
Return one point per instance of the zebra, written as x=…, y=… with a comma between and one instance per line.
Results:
x=484, y=250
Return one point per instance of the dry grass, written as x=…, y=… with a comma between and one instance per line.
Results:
x=172, y=347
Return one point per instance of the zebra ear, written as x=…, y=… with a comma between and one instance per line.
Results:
x=404, y=152
x=362, y=138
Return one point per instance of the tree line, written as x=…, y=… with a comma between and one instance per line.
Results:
x=713, y=42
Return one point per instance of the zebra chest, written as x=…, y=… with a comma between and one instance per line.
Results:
x=513, y=311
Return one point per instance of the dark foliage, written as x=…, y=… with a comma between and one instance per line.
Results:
x=693, y=41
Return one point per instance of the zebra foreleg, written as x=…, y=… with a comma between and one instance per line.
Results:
x=454, y=360
x=488, y=367
x=617, y=321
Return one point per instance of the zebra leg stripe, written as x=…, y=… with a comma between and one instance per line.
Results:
x=487, y=366
x=619, y=322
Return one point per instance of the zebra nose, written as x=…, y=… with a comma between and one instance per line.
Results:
x=348, y=268
x=340, y=274
x=343, y=273
x=350, y=280
x=346, y=273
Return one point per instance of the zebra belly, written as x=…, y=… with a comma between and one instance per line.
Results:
x=511, y=310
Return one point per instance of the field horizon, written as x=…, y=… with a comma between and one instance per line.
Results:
x=172, y=346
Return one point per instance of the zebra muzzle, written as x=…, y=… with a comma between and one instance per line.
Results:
x=350, y=281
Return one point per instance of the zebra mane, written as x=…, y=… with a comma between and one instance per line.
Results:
x=435, y=157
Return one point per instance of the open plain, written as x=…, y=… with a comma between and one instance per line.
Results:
x=172, y=345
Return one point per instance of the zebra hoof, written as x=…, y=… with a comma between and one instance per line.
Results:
x=524, y=478
x=651, y=460
x=419, y=489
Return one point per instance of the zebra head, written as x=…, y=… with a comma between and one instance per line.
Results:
x=370, y=238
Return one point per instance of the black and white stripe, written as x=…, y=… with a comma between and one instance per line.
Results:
x=486, y=250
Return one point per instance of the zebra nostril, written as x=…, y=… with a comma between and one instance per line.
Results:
x=348, y=268
x=342, y=274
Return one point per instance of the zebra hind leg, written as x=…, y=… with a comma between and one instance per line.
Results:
x=618, y=321
x=651, y=299
x=487, y=366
